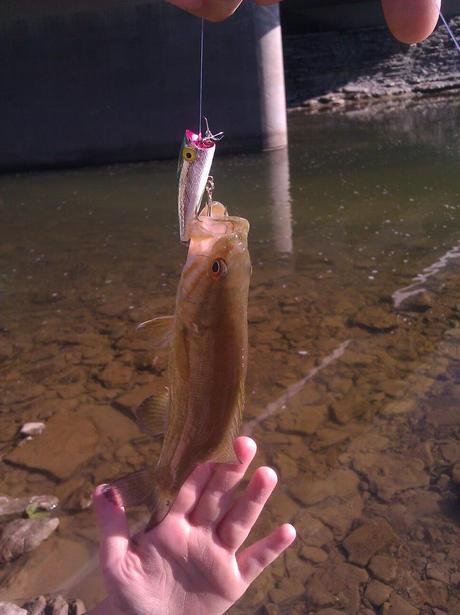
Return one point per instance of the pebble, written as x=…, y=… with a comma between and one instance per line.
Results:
x=32, y=429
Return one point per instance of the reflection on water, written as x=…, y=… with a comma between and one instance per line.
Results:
x=353, y=399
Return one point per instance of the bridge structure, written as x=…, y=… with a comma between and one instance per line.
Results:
x=99, y=81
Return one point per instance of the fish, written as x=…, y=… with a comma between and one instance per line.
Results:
x=195, y=161
x=200, y=412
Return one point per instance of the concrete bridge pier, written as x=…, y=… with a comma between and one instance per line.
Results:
x=85, y=82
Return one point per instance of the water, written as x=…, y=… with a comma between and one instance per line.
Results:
x=353, y=401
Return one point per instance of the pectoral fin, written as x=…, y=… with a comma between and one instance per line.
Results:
x=152, y=414
x=160, y=328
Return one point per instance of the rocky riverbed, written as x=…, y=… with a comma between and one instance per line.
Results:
x=368, y=69
x=352, y=396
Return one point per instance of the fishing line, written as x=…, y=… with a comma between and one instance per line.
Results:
x=201, y=74
x=452, y=36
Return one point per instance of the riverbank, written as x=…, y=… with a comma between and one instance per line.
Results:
x=341, y=71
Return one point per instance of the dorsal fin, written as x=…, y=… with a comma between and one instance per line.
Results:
x=152, y=414
x=160, y=328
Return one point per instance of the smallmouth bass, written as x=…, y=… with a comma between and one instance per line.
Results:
x=208, y=337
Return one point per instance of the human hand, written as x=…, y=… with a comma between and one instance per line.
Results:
x=410, y=21
x=190, y=562
x=214, y=10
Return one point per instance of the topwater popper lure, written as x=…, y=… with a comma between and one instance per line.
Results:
x=195, y=160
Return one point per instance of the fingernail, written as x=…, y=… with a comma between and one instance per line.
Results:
x=109, y=494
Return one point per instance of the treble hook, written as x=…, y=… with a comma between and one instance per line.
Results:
x=208, y=134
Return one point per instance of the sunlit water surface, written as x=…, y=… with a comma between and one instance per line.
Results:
x=352, y=400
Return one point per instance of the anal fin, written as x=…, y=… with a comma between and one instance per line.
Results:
x=137, y=489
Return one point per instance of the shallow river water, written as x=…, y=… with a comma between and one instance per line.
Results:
x=354, y=368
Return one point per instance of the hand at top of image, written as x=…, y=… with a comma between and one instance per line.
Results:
x=410, y=21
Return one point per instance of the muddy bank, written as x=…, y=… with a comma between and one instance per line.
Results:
x=335, y=71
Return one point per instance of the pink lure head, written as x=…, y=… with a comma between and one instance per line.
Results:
x=196, y=140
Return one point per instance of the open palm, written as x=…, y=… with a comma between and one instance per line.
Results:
x=190, y=562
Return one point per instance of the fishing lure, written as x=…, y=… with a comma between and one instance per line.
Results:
x=195, y=160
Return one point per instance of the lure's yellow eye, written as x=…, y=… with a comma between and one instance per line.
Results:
x=188, y=154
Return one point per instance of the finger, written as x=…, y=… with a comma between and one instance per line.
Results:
x=239, y=520
x=253, y=560
x=113, y=526
x=192, y=489
x=218, y=493
x=212, y=10
x=411, y=22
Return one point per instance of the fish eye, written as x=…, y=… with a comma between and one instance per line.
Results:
x=218, y=268
x=189, y=154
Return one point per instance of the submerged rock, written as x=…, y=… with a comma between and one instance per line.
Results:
x=32, y=429
x=420, y=301
x=389, y=474
x=69, y=441
x=16, y=506
x=368, y=539
x=23, y=535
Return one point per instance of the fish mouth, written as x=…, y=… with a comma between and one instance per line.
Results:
x=206, y=227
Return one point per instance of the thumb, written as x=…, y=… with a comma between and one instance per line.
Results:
x=113, y=526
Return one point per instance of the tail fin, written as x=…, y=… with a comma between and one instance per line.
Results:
x=141, y=489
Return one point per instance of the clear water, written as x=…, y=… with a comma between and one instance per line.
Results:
x=353, y=401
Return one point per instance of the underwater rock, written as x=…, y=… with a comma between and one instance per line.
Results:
x=305, y=422
x=12, y=506
x=398, y=606
x=115, y=375
x=8, y=608
x=456, y=473
x=377, y=593
x=23, y=535
x=374, y=320
x=6, y=349
x=389, y=474
x=368, y=539
x=32, y=429
x=68, y=442
x=401, y=406
x=418, y=302
x=337, y=585
x=339, y=484
x=311, y=531
x=383, y=568
x=313, y=554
